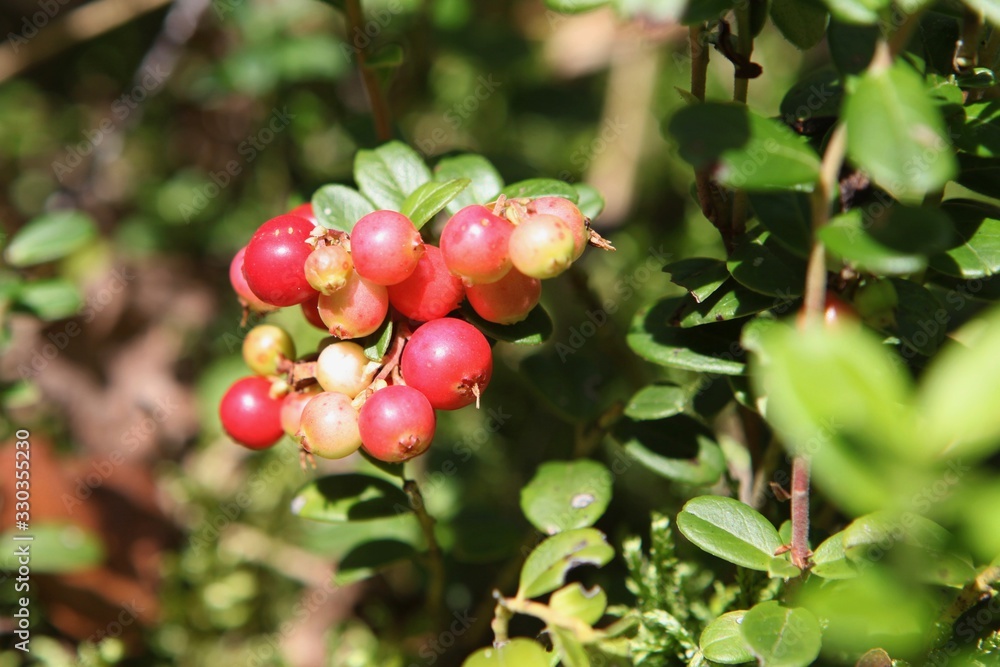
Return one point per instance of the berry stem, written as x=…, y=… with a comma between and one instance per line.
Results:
x=800, y=513
x=376, y=98
x=435, y=561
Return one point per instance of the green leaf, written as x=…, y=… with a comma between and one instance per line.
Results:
x=574, y=6
x=782, y=637
x=852, y=46
x=979, y=174
x=569, y=648
x=52, y=299
x=976, y=251
x=679, y=449
x=486, y=180
x=518, y=652
x=700, y=276
x=388, y=174
x=575, y=601
x=564, y=495
x=564, y=382
x=817, y=96
x=760, y=264
x=349, y=497
x=50, y=236
x=532, y=330
x=589, y=200
x=857, y=11
x=743, y=150
x=722, y=641
x=980, y=134
x=56, y=547
x=801, y=22
x=657, y=401
x=847, y=237
x=654, y=338
x=541, y=187
x=545, y=569
x=425, y=202
x=731, y=302
x=389, y=56
x=340, y=207
x=919, y=317
x=702, y=10
x=787, y=215
x=830, y=561
x=731, y=530
x=896, y=134
x=377, y=344
x=366, y=559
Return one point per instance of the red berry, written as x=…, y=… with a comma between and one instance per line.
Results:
x=541, y=246
x=506, y=301
x=310, y=309
x=249, y=415
x=304, y=211
x=264, y=346
x=355, y=310
x=243, y=291
x=569, y=213
x=328, y=267
x=396, y=423
x=432, y=291
x=291, y=409
x=475, y=245
x=329, y=426
x=449, y=361
x=386, y=247
x=275, y=260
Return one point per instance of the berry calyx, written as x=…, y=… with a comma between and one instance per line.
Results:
x=329, y=426
x=343, y=367
x=508, y=300
x=292, y=406
x=430, y=292
x=328, y=267
x=567, y=211
x=475, y=245
x=238, y=280
x=355, y=310
x=386, y=247
x=249, y=414
x=275, y=259
x=542, y=246
x=396, y=424
x=449, y=361
x=265, y=346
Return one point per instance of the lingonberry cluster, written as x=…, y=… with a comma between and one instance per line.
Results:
x=384, y=277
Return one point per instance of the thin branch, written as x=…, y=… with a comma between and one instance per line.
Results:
x=376, y=97
x=800, y=552
x=833, y=159
x=435, y=560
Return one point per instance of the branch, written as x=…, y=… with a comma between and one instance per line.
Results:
x=376, y=98
x=800, y=552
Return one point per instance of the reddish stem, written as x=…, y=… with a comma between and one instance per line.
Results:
x=800, y=513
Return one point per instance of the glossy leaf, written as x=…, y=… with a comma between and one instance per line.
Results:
x=545, y=569
x=340, y=207
x=532, y=330
x=847, y=237
x=56, y=547
x=49, y=237
x=654, y=338
x=782, y=637
x=729, y=529
x=518, y=652
x=349, y=497
x=657, y=401
x=975, y=252
x=787, y=215
x=700, y=276
x=576, y=601
x=388, y=174
x=761, y=265
x=425, y=202
x=678, y=449
x=980, y=134
x=921, y=320
x=564, y=495
x=486, y=180
x=731, y=302
x=802, y=23
x=722, y=640
x=541, y=187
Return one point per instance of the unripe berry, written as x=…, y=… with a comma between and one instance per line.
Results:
x=243, y=291
x=356, y=310
x=250, y=415
x=396, y=424
x=386, y=247
x=567, y=211
x=292, y=406
x=449, y=361
x=310, y=309
x=329, y=426
x=344, y=368
x=836, y=313
x=475, y=245
x=541, y=246
x=264, y=346
x=506, y=301
x=432, y=291
x=328, y=267
x=275, y=259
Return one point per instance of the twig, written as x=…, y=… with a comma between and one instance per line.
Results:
x=800, y=552
x=435, y=560
x=376, y=98
x=833, y=159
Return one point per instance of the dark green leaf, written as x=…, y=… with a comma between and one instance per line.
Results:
x=782, y=637
x=731, y=302
x=800, y=21
x=425, y=202
x=703, y=10
x=787, y=215
x=847, y=236
x=366, y=559
x=980, y=135
x=700, y=276
x=857, y=11
x=486, y=180
x=815, y=96
x=729, y=529
x=979, y=174
x=589, y=200
x=349, y=497
x=55, y=547
x=760, y=264
x=51, y=299
x=657, y=401
x=920, y=318
x=377, y=344
x=518, y=652
x=50, y=236
x=388, y=174
x=340, y=207
x=743, y=150
x=655, y=339
x=541, y=187
x=852, y=46
x=546, y=567
x=565, y=382
x=977, y=251
x=533, y=330
x=679, y=449
x=564, y=495
x=722, y=641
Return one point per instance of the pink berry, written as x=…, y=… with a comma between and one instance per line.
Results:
x=432, y=291
x=291, y=409
x=506, y=301
x=328, y=267
x=310, y=309
x=355, y=310
x=249, y=415
x=243, y=291
x=570, y=214
x=396, y=423
x=449, y=361
x=275, y=259
x=329, y=426
x=474, y=244
x=541, y=246
x=386, y=247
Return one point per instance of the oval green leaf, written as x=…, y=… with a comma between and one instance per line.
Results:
x=700, y=276
x=486, y=180
x=760, y=264
x=51, y=299
x=340, y=207
x=654, y=338
x=50, y=236
x=518, y=652
x=782, y=637
x=679, y=449
x=349, y=497
x=425, y=202
x=541, y=187
x=590, y=201
x=657, y=401
x=975, y=252
x=722, y=640
x=545, y=569
x=731, y=530
x=802, y=23
x=564, y=495
x=575, y=601
x=388, y=174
